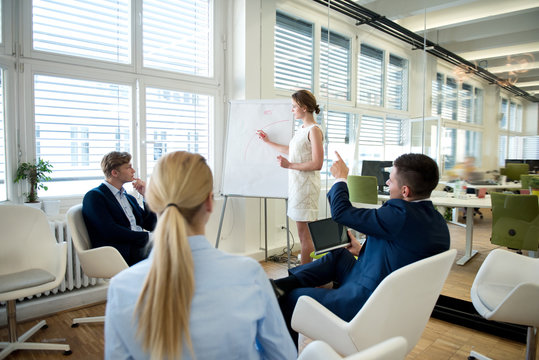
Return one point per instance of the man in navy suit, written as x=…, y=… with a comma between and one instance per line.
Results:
x=407, y=228
x=113, y=217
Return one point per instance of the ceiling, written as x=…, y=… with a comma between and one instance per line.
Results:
x=500, y=36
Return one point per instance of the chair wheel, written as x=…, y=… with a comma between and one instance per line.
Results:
x=471, y=357
x=75, y=325
x=46, y=326
x=67, y=352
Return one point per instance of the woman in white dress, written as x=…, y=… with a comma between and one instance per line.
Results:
x=305, y=158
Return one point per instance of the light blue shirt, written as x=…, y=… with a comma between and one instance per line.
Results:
x=126, y=206
x=234, y=313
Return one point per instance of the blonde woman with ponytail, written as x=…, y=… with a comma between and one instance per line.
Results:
x=189, y=300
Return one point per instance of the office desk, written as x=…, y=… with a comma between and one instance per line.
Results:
x=506, y=186
x=470, y=202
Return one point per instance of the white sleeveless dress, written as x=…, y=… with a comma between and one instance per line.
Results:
x=303, y=186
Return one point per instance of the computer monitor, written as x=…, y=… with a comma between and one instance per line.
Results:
x=533, y=163
x=377, y=169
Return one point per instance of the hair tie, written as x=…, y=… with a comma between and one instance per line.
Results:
x=172, y=204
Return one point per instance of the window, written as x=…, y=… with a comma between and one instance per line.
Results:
x=176, y=121
x=176, y=36
x=3, y=177
x=449, y=99
x=76, y=122
x=380, y=138
x=465, y=103
x=478, y=106
x=504, y=114
x=294, y=47
x=436, y=102
x=370, y=76
x=100, y=31
x=339, y=136
x=397, y=83
x=459, y=143
x=334, y=66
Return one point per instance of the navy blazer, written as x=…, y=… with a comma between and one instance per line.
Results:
x=108, y=225
x=398, y=233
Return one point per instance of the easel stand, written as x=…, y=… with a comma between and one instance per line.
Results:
x=265, y=225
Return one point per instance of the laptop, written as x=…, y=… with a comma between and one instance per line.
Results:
x=328, y=235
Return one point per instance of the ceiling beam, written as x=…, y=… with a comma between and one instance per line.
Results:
x=501, y=51
x=467, y=13
x=513, y=67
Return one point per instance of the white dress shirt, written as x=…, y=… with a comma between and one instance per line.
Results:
x=234, y=312
x=126, y=206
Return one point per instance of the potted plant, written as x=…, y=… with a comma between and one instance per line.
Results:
x=36, y=174
x=534, y=185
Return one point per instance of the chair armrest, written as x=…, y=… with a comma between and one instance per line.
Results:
x=102, y=262
x=520, y=306
x=318, y=323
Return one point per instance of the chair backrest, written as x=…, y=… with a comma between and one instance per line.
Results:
x=102, y=262
x=391, y=349
x=363, y=189
x=28, y=243
x=402, y=303
x=514, y=170
x=77, y=226
x=515, y=221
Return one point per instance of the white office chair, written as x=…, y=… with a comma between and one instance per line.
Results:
x=31, y=262
x=391, y=349
x=506, y=288
x=103, y=262
x=400, y=306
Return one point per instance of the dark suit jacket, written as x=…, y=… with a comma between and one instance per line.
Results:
x=109, y=226
x=399, y=233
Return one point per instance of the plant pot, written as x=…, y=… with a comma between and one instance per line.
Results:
x=35, y=205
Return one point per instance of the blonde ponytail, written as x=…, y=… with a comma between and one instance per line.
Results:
x=179, y=185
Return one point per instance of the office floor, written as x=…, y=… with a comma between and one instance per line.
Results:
x=440, y=340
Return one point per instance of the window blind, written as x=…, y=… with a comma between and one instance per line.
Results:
x=449, y=99
x=512, y=116
x=371, y=130
x=465, y=103
x=176, y=120
x=92, y=29
x=177, y=37
x=370, y=76
x=436, y=102
x=77, y=122
x=504, y=111
x=393, y=132
x=294, y=47
x=397, y=83
x=334, y=65
x=338, y=127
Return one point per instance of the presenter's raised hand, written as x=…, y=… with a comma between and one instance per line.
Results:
x=140, y=186
x=339, y=170
x=262, y=135
x=283, y=162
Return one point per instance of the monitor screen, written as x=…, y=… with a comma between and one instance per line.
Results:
x=378, y=169
x=533, y=163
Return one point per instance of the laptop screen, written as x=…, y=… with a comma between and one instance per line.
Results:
x=328, y=235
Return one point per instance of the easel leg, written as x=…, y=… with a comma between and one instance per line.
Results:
x=287, y=234
x=265, y=229
x=221, y=222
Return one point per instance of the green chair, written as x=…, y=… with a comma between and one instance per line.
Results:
x=515, y=221
x=363, y=189
x=514, y=170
